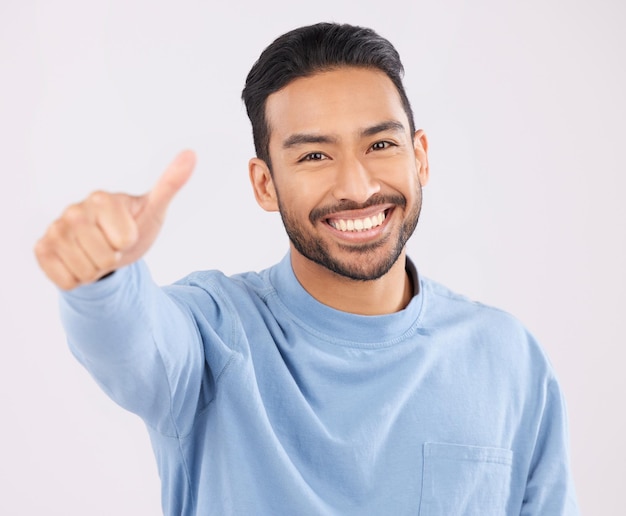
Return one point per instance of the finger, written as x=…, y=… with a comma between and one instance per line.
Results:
x=58, y=273
x=171, y=181
x=77, y=262
x=61, y=242
x=113, y=217
x=54, y=268
x=98, y=249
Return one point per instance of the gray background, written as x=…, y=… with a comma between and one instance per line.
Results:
x=524, y=107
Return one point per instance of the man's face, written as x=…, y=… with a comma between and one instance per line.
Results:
x=346, y=172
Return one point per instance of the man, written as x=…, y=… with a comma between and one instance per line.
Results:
x=337, y=382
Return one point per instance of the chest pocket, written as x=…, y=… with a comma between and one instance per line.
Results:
x=462, y=480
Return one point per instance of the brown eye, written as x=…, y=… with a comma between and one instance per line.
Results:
x=314, y=156
x=381, y=145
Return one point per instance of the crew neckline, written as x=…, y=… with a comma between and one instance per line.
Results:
x=345, y=328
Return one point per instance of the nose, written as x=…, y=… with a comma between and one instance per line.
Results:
x=354, y=182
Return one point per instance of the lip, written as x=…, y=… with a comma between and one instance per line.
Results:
x=361, y=213
x=365, y=235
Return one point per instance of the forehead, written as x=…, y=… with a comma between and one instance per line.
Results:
x=340, y=101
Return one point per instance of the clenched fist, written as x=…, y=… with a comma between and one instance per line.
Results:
x=107, y=231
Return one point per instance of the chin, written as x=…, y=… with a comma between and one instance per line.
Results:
x=363, y=263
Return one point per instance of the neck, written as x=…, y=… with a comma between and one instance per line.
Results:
x=385, y=295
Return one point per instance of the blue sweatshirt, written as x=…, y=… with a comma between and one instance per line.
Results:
x=259, y=400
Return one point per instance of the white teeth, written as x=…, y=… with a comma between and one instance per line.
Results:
x=358, y=224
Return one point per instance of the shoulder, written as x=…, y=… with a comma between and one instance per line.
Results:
x=213, y=287
x=212, y=279
x=443, y=303
x=482, y=327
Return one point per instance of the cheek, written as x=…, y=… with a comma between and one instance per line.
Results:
x=295, y=199
x=308, y=189
x=401, y=175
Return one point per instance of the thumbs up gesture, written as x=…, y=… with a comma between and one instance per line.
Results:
x=107, y=231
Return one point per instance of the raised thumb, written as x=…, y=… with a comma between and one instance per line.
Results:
x=171, y=181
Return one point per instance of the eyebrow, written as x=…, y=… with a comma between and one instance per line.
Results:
x=304, y=138
x=389, y=125
x=307, y=138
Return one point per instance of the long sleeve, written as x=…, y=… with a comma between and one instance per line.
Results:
x=140, y=345
x=550, y=487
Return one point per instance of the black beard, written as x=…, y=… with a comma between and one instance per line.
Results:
x=316, y=251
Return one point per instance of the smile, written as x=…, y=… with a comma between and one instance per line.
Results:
x=362, y=224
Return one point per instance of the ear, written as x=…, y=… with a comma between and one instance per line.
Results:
x=420, y=145
x=263, y=184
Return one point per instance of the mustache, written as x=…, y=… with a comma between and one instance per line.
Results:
x=323, y=212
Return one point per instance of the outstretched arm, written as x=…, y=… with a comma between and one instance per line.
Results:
x=140, y=345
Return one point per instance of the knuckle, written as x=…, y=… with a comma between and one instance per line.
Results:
x=41, y=248
x=44, y=254
x=99, y=197
x=74, y=214
x=56, y=231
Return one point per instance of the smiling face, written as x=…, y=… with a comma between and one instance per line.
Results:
x=346, y=171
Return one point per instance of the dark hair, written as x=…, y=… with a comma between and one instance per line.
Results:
x=308, y=50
